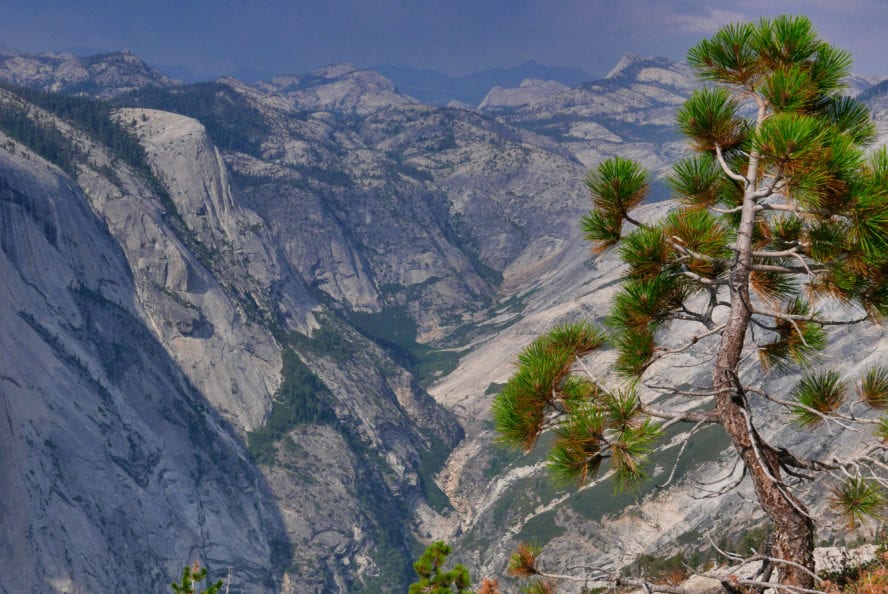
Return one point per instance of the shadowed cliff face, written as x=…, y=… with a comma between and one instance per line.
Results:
x=116, y=469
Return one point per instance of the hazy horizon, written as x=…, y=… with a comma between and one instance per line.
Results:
x=212, y=38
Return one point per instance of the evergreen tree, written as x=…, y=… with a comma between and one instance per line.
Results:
x=780, y=212
x=191, y=576
x=435, y=581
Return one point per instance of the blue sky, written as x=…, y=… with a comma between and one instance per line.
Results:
x=212, y=37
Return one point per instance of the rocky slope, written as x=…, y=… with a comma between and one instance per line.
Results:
x=505, y=498
x=105, y=75
x=436, y=88
x=529, y=91
x=209, y=300
x=630, y=113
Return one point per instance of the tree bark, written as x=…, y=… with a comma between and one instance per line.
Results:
x=794, y=534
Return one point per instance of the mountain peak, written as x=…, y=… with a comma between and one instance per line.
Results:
x=630, y=64
x=338, y=87
x=101, y=75
x=335, y=70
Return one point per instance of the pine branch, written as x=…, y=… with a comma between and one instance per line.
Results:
x=800, y=318
x=727, y=169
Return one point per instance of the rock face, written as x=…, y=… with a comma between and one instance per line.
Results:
x=117, y=469
x=232, y=357
x=340, y=88
x=528, y=91
x=104, y=75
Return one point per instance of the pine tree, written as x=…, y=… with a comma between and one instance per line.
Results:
x=191, y=576
x=433, y=580
x=780, y=212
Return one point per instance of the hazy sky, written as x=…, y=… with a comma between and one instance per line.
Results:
x=211, y=37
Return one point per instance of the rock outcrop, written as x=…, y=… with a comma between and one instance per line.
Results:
x=103, y=75
x=528, y=92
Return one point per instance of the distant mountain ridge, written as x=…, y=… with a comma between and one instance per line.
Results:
x=437, y=88
x=102, y=75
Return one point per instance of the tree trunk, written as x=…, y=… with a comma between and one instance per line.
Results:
x=794, y=534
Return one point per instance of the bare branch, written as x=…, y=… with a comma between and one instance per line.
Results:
x=829, y=417
x=768, y=191
x=684, y=445
x=737, y=461
x=700, y=279
x=786, y=269
x=793, y=208
x=727, y=169
x=799, y=318
x=677, y=392
x=759, y=557
x=712, y=493
x=677, y=243
x=734, y=210
x=635, y=222
x=694, y=340
x=784, y=254
x=686, y=417
x=648, y=586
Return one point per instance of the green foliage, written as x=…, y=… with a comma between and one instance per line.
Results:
x=729, y=57
x=710, y=119
x=44, y=139
x=191, y=576
x=859, y=500
x=519, y=410
x=330, y=339
x=601, y=228
x=433, y=580
x=301, y=398
x=231, y=122
x=431, y=461
x=882, y=429
x=89, y=115
x=595, y=425
x=635, y=347
x=797, y=339
x=395, y=331
x=576, y=455
x=93, y=117
x=646, y=303
x=873, y=388
x=851, y=118
x=617, y=186
x=646, y=251
x=698, y=181
x=522, y=562
x=818, y=394
x=700, y=231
